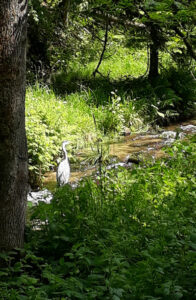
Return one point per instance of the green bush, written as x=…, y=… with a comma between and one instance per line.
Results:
x=174, y=95
x=119, y=113
x=184, y=84
x=170, y=98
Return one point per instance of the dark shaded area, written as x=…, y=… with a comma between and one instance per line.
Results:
x=172, y=93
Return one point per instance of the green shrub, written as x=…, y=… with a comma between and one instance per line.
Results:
x=184, y=84
x=119, y=113
x=174, y=95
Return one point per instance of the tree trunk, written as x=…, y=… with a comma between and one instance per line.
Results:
x=64, y=6
x=13, y=147
x=154, y=54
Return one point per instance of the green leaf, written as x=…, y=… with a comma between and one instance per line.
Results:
x=161, y=114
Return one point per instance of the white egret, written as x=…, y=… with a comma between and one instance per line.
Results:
x=63, y=170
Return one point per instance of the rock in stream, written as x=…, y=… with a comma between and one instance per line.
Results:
x=40, y=196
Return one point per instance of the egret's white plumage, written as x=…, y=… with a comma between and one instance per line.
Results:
x=63, y=171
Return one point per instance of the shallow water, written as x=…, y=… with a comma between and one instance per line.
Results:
x=50, y=178
x=147, y=145
x=134, y=146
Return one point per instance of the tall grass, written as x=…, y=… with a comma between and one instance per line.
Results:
x=124, y=62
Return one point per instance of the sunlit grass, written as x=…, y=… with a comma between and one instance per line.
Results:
x=124, y=63
x=70, y=116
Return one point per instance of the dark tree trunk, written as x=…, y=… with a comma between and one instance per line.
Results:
x=154, y=54
x=64, y=6
x=13, y=148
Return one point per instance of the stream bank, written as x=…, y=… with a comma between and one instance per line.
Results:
x=145, y=145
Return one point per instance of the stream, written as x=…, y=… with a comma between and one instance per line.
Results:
x=147, y=144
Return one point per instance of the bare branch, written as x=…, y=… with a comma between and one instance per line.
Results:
x=104, y=48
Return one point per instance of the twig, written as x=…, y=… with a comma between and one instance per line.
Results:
x=104, y=48
x=148, y=62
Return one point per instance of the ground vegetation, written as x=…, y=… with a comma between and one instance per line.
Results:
x=125, y=235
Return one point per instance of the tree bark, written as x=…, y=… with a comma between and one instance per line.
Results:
x=13, y=146
x=64, y=6
x=154, y=54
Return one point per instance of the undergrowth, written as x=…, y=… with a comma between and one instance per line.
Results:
x=50, y=120
x=125, y=235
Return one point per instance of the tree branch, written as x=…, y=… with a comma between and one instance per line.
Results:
x=186, y=42
x=104, y=48
x=122, y=21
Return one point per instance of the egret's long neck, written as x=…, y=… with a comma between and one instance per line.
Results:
x=65, y=152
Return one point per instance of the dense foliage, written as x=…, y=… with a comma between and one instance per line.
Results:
x=61, y=31
x=126, y=235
